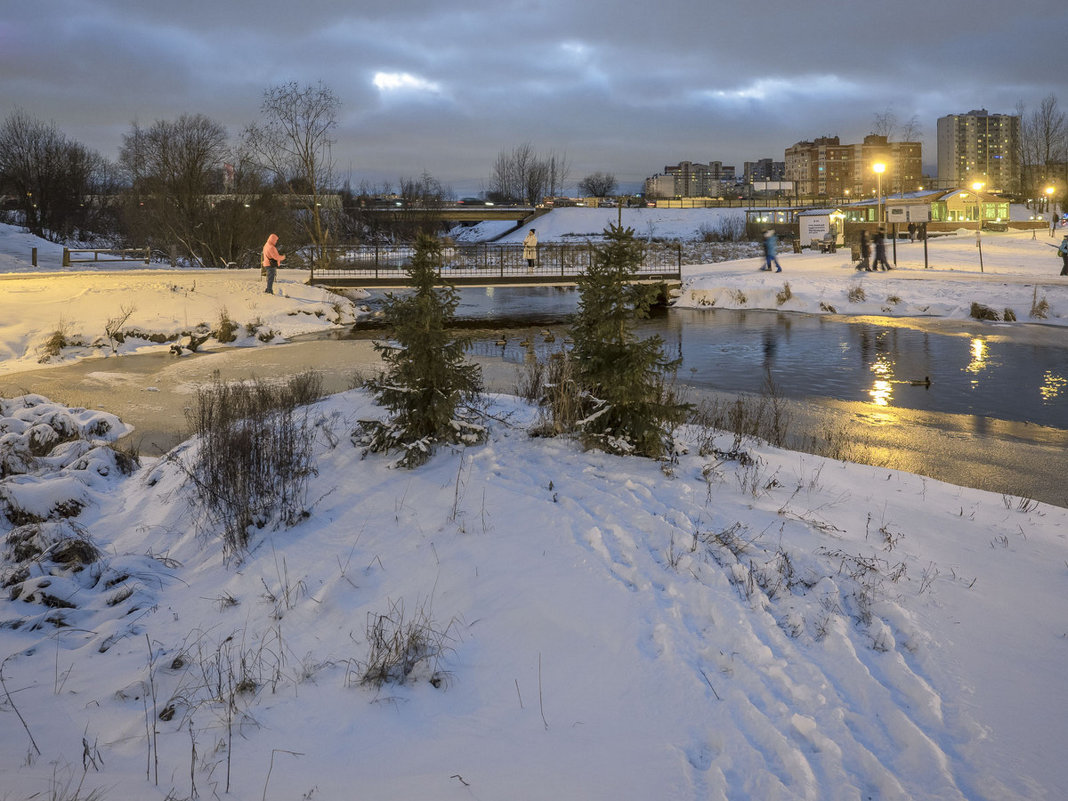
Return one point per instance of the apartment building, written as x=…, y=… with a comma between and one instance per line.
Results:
x=825, y=167
x=691, y=179
x=821, y=167
x=763, y=170
x=979, y=147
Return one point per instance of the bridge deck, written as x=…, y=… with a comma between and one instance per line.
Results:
x=488, y=265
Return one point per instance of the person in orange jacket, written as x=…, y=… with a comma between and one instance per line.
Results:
x=272, y=259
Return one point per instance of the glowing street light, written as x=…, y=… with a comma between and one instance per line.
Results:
x=879, y=169
x=975, y=188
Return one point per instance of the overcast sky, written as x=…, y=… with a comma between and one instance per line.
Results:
x=615, y=85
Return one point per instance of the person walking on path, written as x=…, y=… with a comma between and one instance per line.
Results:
x=271, y=260
x=880, y=252
x=1053, y=223
x=865, y=252
x=530, y=249
x=1062, y=251
x=771, y=247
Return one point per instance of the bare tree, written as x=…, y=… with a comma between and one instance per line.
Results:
x=1043, y=146
x=1051, y=132
x=173, y=167
x=885, y=123
x=911, y=131
x=598, y=184
x=292, y=142
x=54, y=180
x=423, y=198
x=524, y=176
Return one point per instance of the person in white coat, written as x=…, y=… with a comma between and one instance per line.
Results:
x=530, y=249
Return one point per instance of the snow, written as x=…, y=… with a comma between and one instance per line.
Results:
x=169, y=303
x=779, y=627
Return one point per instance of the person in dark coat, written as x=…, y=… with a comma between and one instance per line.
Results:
x=880, y=252
x=865, y=252
x=1062, y=251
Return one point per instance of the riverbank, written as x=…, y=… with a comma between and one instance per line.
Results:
x=1019, y=272
x=51, y=317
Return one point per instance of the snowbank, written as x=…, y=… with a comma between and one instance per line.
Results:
x=780, y=626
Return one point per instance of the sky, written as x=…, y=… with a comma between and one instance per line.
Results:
x=621, y=86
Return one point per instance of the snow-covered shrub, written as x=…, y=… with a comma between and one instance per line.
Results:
x=981, y=312
x=227, y=328
x=1039, y=308
x=783, y=294
x=404, y=648
x=551, y=384
x=253, y=454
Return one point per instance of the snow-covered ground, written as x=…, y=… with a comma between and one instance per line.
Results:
x=773, y=626
x=1018, y=272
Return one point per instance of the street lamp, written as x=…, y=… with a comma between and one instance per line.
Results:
x=879, y=169
x=979, y=228
x=975, y=188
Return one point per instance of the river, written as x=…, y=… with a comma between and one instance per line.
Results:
x=994, y=415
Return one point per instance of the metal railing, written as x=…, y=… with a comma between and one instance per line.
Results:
x=75, y=255
x=386, y=265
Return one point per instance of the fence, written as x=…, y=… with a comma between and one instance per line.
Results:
x=70, y=256
x=483, y=263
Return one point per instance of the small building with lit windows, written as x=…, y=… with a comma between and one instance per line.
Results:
x=960, y=207
x=937, y=211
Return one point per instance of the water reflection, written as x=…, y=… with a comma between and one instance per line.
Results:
x=882, y=389
x=881, y=364
x=1053, y=386
x=979, y=359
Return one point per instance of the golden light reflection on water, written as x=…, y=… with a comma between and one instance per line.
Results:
x=979, y=357
x=882, y=389
x=1053, y=386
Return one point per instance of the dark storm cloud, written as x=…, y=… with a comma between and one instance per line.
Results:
x=620, y=86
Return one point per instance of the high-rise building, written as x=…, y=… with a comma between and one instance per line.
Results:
x=979, y=147
x=764, y=170
x=693, y=179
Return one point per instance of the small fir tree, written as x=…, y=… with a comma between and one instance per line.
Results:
x=629, y=407
x=426, y=378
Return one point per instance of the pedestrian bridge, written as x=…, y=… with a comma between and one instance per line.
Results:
x=483, y=264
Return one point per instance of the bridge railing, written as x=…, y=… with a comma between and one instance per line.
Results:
x=473, y=263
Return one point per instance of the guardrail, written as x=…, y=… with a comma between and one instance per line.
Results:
x=111, y=254
x=483, y=263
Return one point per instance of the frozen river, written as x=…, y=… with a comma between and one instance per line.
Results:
x=153, y=392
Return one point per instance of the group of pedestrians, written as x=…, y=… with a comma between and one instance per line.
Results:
x=771, y=245
x=866, y=252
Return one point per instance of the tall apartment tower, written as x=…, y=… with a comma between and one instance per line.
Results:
x=979, y=147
